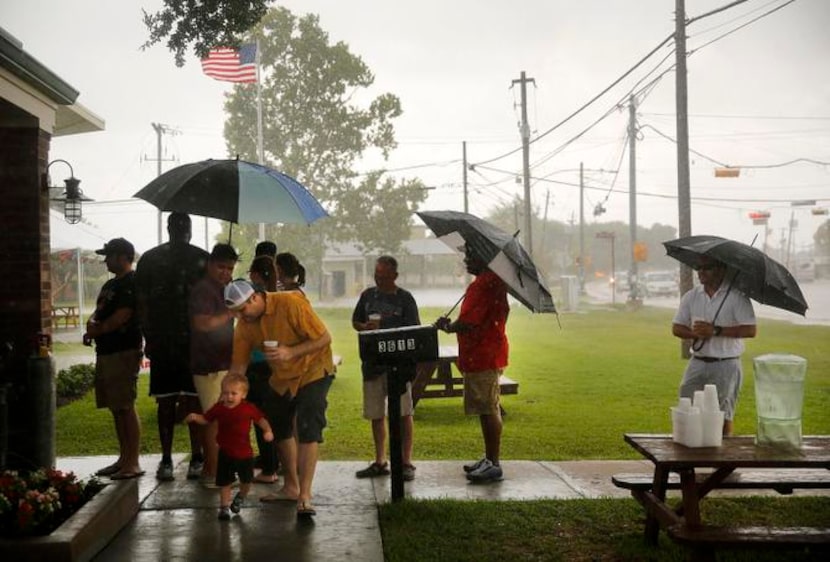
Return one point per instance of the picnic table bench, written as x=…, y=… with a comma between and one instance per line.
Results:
x=434, y=379
x=679, y=467
x=67, y=314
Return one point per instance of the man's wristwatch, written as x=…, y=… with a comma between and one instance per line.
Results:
x=717, y=331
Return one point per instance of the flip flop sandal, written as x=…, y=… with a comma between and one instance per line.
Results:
x=305, y=509
x=265, y=479
x=108, y=470
x=126, y=475
x=278, y=496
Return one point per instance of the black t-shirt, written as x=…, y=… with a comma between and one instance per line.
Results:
x=116, y=294
x=396, y=309
x=164, y=277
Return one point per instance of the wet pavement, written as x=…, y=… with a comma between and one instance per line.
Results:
x=177, y=520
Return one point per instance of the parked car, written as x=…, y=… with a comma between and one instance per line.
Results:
x=661, y=284
x=619, y=282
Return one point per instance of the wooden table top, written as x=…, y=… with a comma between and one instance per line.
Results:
x=737, y=451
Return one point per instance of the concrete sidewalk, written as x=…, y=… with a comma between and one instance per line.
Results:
x=177, y=520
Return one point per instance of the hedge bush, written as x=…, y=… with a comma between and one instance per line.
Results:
x=74, y=382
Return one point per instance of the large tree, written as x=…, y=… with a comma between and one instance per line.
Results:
x=203, y=23
x=318, y=120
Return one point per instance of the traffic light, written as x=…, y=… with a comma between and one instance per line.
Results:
x=727, y=172
x=640, y=251
x=759, y=217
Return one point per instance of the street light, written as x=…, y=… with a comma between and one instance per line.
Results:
x=72, y=195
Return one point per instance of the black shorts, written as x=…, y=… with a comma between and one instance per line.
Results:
x=308, y=409
x=170, y=372
x=228, y=468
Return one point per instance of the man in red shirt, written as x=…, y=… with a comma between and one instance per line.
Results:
x=482, y=357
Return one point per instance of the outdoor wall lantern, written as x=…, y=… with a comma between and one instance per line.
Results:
x=72, y=195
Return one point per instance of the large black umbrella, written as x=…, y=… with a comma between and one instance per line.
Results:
x=749, y=269
x=235, y=191
x=501, y=252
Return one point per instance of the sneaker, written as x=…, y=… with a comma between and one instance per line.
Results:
x=408, y=473
x=468, y=468
x=165, y=471
x=194, y=470
x=236, y=504
x=486, y=472
x=224, y=514
x=373, y=470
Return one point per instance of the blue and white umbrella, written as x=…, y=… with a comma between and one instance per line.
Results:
x=235, y=191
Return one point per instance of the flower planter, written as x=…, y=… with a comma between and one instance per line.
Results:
x=83, y=535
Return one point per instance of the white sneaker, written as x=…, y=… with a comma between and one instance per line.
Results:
x=486, y=472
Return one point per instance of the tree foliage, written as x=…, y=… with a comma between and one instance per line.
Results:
x=203, y=23
x=318, y=120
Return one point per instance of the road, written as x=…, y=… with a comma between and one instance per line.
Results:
x=816, y=292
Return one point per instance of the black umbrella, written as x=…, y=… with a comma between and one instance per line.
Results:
x=749, y=270
x=235, y=191
x=501, y=252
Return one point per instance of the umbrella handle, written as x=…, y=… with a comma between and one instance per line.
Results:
x=456, y=304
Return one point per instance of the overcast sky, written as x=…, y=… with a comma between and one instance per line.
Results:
x=758, y=95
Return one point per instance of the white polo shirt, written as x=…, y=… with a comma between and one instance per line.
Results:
x=737, y=311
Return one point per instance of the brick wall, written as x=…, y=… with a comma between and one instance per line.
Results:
x=25, y=290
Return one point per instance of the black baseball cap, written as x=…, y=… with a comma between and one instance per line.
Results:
x=117, y=246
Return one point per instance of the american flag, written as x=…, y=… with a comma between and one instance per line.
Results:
x=231, y=65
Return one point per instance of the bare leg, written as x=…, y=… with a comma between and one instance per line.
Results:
x=727, y=428
x=307, y=461
x=491, y=430
x=288, y=457
x=225, y=496
x=407, y=429
x=128, y=429
x=191, y=404
x=379, y=436
x=210, y=447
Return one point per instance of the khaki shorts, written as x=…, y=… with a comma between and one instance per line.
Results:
x=116, y=378
x=209, y=388
x=374, y=398
x=481, y=393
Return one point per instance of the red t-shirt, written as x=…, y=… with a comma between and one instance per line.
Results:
x=484, y=347
x=234, y=436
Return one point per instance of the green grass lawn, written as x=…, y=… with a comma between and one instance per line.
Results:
x=603, y=373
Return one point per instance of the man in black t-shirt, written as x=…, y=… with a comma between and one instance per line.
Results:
x=385, y=306
x=114, y=327
x=164, y=277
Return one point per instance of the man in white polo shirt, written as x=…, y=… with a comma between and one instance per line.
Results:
x=717, y=340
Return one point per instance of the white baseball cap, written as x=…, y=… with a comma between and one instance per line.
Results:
x=237, y=293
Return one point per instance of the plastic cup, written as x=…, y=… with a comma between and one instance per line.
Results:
x=374, y=319
x=697, y=401
x=270, y=344
x=685, y=404
x=710, y=398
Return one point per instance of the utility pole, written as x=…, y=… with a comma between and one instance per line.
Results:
x=684, y=203
x=161, y=130
x=633, y=281
x=524, y=129
x=684, y=206
x=581, y=268
x=464, y=175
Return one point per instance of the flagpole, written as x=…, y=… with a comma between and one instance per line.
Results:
x=259, y=145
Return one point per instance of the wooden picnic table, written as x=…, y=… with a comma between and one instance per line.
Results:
x=684, y=524
x=435, y=379
x=68, y=314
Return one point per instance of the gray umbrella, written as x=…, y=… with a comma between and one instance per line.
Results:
x=501, y=252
